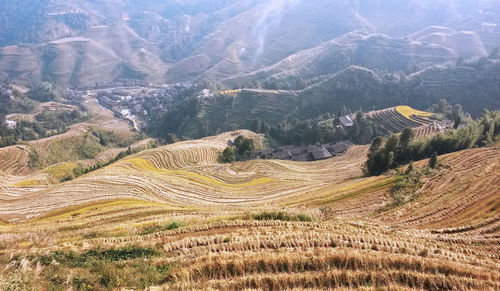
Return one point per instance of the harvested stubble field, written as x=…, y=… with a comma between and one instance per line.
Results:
x=172, y=218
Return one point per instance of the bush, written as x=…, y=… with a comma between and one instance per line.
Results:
x=227, y=156
x=433, y=161
x=156, y=227
x=66, y=178
x=245, y=147
x=174, y=225
x=283, y=216
x=71, y=259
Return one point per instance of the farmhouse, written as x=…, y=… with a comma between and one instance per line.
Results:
x=346, y=121
x=338, y=148
x=320, y=154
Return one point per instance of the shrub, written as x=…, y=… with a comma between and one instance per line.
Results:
x=174, y=225
x=281, y=216
x=433, y=161
x=71, y=259
x=227, y=156
x=66, y=178
x=156, y=227
x=245, y=147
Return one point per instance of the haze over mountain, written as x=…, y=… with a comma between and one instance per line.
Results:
x=83, y=43
x=249, y=144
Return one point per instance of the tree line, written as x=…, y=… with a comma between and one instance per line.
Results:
x=399, y=149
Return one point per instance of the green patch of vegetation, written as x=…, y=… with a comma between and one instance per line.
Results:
x=66, y=178
x=406, y=187
x=73, y=260
x=156, y=227
x=227, y=156
x=27, y=131
x=45, y=92
x=280, y=215
x=130, y=267
x=55, y=119
x=88, y=148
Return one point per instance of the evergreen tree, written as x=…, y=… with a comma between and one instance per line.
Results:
x=376, y=145
x=228, y=155
x=433, y=162
x=406, y=137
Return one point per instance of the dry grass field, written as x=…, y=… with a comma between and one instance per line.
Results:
x=172, y=218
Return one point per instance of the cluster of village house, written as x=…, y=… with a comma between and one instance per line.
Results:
x=136, y=103
x=302, y=153
x=305, y=153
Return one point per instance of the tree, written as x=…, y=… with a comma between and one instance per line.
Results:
x=433, y=161
x=43, y=92
x=247, y=148
x=406, y=137
x=228, y=155
x=457, y=122
x=392, y=145
x=244, y=146
x=442, y=107
x=239, y=141
x=390, y=160
x=376, y=144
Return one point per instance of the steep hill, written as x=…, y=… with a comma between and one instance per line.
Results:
x=104, y=41
x=354, y=88
x=162, y=174
x=173, y=218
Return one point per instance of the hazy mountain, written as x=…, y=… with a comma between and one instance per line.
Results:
x=81, y=43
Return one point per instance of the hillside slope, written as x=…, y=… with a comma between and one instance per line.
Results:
x=175, y=219
x=84, y=43
x=187, y=174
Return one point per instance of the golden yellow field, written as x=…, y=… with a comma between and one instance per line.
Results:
x=173, y=218
x=407, y=112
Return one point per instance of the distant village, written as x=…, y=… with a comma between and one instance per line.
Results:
x=136, y=100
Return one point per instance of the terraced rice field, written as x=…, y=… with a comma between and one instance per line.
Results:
x=256, y=225
x=396, y=119
x=427, y=130
x=187, y=174
x=465, y=194
x=231, y=252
